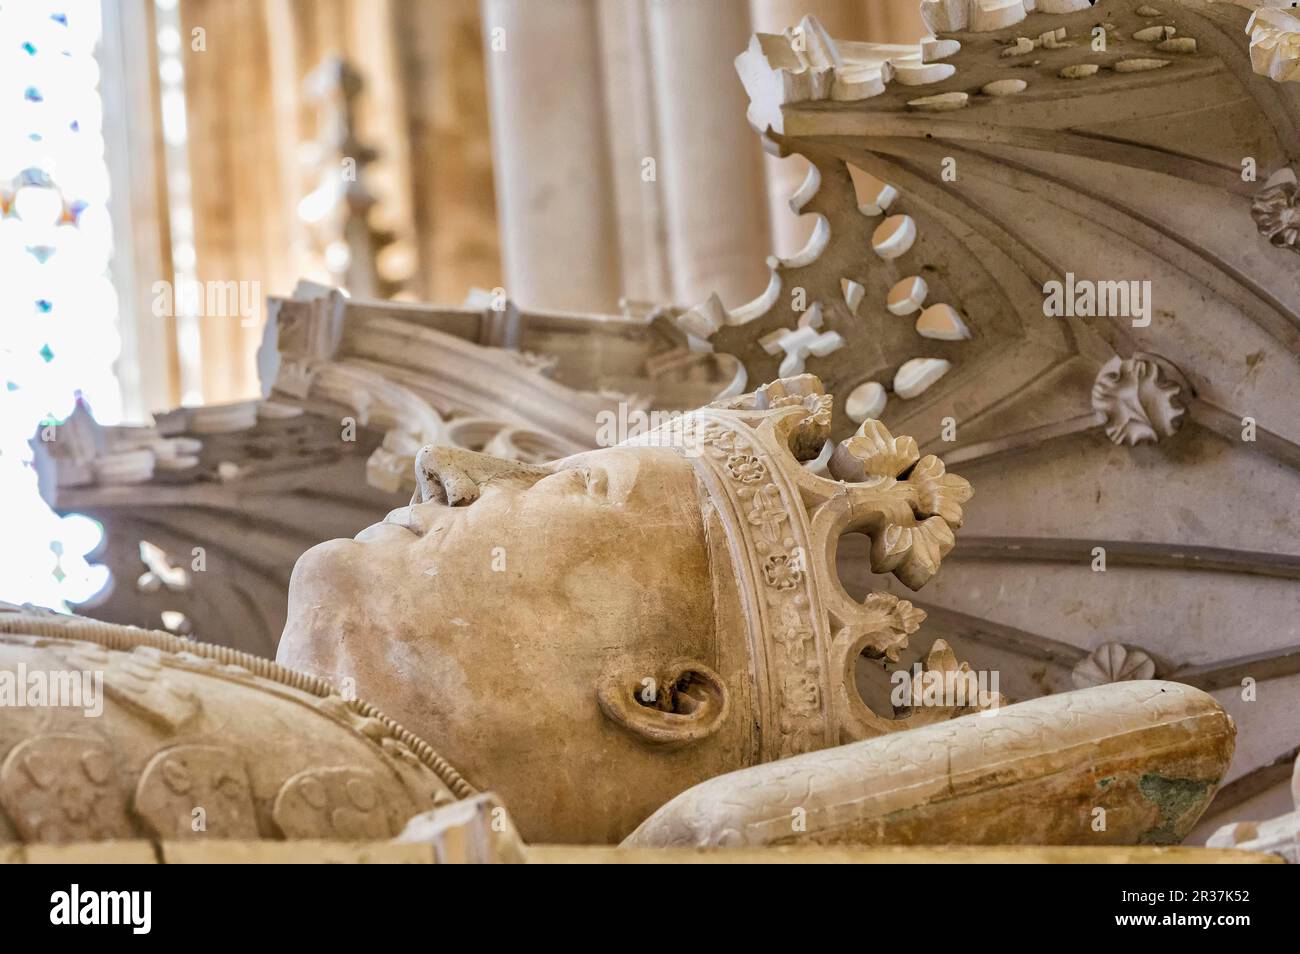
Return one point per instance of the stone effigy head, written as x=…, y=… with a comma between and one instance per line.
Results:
x=591, y=637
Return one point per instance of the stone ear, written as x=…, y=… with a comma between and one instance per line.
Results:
x=684, y=702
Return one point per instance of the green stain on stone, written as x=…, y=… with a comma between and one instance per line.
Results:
x=1175, y=799
x=1105, y=782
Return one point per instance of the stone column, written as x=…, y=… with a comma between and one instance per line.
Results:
x=554, y=197
x=453, y=197
x=710, y=166
x=633, y=134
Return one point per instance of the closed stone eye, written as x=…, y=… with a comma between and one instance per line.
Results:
x=575, y=480
x=597, y=482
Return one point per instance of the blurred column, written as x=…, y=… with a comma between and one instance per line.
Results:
x=555, y=201
x=240, y=231
x=892, y=21
x=148, y=367
x=445, y=94
x=709, y=166
x=634, y=139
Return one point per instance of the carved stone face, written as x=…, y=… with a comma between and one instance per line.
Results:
x=485, y=618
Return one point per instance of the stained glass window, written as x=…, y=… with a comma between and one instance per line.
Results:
x=58, y=310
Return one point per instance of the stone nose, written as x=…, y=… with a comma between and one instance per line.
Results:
x=455, y=477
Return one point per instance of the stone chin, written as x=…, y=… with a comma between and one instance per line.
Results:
x=552, y=634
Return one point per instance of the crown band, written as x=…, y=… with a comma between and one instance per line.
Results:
x=783, y=522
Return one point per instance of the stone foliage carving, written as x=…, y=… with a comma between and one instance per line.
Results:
x=1274, y=41
x=1113, y=662
x=1277, y=210
x=1142, y=398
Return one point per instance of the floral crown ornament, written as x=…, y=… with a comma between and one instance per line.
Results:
x=783, y=523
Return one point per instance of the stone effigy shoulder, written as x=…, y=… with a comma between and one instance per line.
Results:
x=130, y=733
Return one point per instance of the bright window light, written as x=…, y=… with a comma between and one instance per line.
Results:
x=59, y=331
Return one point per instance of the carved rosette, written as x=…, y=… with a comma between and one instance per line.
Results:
x=1276, y=210
x=783, y=523
x=1275, y=42
x=1141, y=398
x=1113, y=662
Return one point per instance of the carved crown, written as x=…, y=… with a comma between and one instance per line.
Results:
x=783, y=523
